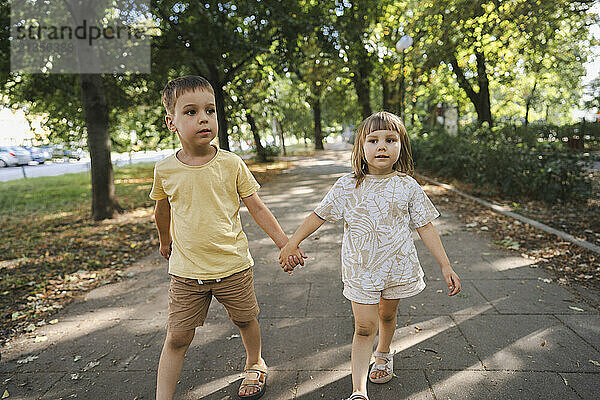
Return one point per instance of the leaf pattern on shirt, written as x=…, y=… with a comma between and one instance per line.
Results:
x=377, y=247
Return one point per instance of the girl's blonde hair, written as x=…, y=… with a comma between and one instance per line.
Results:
x=382, y=120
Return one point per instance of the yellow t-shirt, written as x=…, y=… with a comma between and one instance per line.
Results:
x=208, y=241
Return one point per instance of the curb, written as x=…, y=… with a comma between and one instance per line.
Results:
x=507, y=212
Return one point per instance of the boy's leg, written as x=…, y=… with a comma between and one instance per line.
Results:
x=365, y=328
x=171, y=362
x=250, y=332
x=236, y=293
x=387, y=327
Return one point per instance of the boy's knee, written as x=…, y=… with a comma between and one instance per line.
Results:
x=365, y=328
x=244, y=324
x=179, y=340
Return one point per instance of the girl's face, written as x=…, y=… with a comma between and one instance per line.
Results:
x=382, y=149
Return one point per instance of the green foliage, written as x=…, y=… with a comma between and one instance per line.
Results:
x=272, y=151
x=496, y=162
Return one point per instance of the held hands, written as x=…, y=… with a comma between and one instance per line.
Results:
x=290, y=257
x=452, y=280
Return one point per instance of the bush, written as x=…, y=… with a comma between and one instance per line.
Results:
x=491, y=158
x=272, y=151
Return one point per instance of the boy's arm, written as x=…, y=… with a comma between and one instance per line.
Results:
x=430, y=237
x=308, y=226
x=162, y=216
x=266, y=220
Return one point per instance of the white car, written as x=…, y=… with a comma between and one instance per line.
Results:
x=23, y=155
x=7, y=157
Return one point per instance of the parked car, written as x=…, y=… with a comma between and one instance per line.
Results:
x=39, y=154
x=23, y=156
x=7, y=157
x=66, y=151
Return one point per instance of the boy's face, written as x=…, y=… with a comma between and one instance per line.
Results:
x=194, y=119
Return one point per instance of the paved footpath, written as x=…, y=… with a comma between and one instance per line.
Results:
x=510, y=334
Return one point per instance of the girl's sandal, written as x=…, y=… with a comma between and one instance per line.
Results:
x=358, y=396
x=259, y=382
x=388, y=368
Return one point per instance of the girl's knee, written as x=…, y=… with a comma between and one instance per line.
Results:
x=365, y=328
x=386, y=316
x=179, y=339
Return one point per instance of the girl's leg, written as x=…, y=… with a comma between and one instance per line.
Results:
x=171, y=362
x=365, y=328
x=250, y=332
x=387, y=327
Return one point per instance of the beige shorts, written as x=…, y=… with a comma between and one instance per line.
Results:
x=362, y=296
x=189, y=299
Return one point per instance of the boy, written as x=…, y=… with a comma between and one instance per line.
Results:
x=197, y=192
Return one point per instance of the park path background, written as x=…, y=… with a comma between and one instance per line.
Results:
x=512, y=333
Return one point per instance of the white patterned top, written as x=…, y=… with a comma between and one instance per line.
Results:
x=377, y=248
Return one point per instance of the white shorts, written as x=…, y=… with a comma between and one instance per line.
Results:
x=362, y=296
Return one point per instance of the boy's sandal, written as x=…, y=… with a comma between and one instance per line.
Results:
x=358, y=396
x=388, y=368
x=259, y=382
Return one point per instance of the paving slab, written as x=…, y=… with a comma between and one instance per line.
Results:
x=499, y=385
x=527, y=343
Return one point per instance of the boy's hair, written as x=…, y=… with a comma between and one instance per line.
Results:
x=178, y=86
x=382, y=120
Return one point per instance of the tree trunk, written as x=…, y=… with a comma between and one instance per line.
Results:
x=95, y=109
x=480, y=100
x=280, y=130
x=361, y=86
x=484, y=88
x=220, y=100
x=260, y=150
x=528, y=103
x=316, y=106
x=221, y=117
x=385, y=91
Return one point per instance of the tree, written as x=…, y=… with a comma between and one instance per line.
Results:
x=78, y=97
x=474, y=38
x=216, y=39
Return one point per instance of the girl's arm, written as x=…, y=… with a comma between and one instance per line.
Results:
x=309, y=225
x=430, y=237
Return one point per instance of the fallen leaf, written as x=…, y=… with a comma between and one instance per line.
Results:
x=53, y=322
x=27, y=360
x=5, y=394
x=596, y=363
x=424, y=350
x=543, y=343
x=39, y=339
x=76, y=358
x=418, y=328
x=91, y=365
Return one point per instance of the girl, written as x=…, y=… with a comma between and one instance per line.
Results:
x=377, y=202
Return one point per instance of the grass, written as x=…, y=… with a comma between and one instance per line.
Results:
x=50, y=249
x=71, y=192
